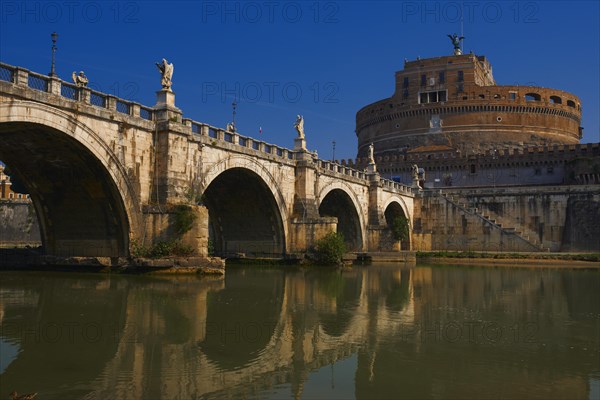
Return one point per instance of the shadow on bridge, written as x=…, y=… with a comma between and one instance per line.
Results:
x=243, y=216
x=79, y=208
x=337, y=203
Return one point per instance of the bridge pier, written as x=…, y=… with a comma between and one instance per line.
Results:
x=307, y=225
x=187, y=224
x=379, y=234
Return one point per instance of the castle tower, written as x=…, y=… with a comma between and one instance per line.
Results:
x=454, y=103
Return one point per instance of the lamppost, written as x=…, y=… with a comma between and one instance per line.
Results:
x=333, y=151
x=54, y=37
x=494, y=165
x=234, y=106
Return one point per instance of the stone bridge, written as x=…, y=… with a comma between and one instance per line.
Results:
x=106, y=175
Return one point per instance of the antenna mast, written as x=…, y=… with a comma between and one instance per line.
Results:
x=462, y=28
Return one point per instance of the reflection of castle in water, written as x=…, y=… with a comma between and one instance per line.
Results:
x=248, y=334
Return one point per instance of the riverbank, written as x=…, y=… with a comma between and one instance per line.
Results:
x=31, y=259
x=546, y=260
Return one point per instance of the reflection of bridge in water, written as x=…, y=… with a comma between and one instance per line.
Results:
x=212, y=337
x=271, y=334
x=189, y=338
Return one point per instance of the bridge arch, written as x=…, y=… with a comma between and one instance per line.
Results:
x=401, y=203
x=337, y=199
x=84, y=199
x=396, y=207
x=247, y=211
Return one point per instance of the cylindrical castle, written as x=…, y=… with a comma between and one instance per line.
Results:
x=453, y=103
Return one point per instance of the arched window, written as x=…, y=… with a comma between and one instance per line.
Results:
x=571, y=103
x=555, y=100
x=532, y=97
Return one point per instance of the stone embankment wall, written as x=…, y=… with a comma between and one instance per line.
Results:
x=18, y=224
x=553, y=218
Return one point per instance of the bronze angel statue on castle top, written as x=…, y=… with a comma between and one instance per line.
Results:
x=456, y=43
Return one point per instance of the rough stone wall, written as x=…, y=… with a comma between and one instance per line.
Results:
x=541, y=213
x=558, y=218
x=582, y=224
x=441, y=225
x=305, y=233
x=160, y=225
x=18, y=224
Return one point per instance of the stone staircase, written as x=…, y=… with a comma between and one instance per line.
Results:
x=526, y=237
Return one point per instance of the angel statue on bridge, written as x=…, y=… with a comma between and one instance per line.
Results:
x=166, y=70
x=371, y=154
x=299, y=125
x=80, y=80
x=415, y=172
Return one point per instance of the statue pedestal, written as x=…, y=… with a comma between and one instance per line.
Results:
x=371, y=168
x=165, y=97
x=299, y=143
x=165, y=106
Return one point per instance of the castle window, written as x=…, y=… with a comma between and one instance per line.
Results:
x=532, y=97
x=571, y=103
x=482, y=96
x=550, y=170
x=473, y=169
x=461, y=76
x=405, y=83
x=423, y=80
x=496, y=97
x=512, y=95
x=555, y=100
x=461, y=88
x=434, y=96
x=442, y=78
x=405, y=94
x=537, y=171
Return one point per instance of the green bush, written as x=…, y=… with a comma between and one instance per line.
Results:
x=161, y=249
x=331, y=248
x=184, y=218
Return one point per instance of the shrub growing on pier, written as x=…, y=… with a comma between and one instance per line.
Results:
x=331, y=248
x=184, y=218
x=162, y=249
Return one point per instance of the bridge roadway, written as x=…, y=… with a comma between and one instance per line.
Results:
x=106, y=174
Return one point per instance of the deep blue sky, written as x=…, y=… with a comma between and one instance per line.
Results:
x=324, y=59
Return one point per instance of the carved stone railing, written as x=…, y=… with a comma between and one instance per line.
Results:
x=234, y=138
x=395, y=186
x=69, y=91
x=335, y=167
